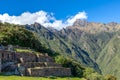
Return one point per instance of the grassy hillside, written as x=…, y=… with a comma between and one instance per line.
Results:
x=18, y=35
x=109, y=58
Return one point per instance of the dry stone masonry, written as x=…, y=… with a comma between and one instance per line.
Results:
x=29, y=64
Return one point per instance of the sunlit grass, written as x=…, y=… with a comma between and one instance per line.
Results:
x=38, y=78
x=26, y=50
x=23, y=50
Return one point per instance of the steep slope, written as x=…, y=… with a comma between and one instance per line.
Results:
x=84, y=41
x=109, y=58
x=18, y=35
x=53, y=40
x=91, y=43
x=91, y=49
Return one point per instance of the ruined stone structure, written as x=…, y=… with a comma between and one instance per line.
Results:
x=30, y=64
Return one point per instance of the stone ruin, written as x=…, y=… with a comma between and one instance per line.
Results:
x=29, y=64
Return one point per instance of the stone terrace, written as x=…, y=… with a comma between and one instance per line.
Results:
x=31, y=64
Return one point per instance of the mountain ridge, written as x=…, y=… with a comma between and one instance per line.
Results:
x=82, y=43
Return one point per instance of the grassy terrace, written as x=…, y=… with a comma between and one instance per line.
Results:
x=38, y=78
x=25, y=50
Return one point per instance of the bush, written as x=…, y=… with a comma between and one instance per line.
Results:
x=91, y=74
x=95, y=76
x=76, y=68
x=88, y=71
x=109, y=77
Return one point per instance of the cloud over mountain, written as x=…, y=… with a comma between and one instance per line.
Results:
x=42, y=17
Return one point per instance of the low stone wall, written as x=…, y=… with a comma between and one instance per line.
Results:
x=26, y=57
x=49, y=71
x=40, y=64
x=33, y=64
x=52, y=64
x=43, y=58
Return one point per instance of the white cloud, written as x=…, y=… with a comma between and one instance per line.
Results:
x=80, y=15
x=43, y=18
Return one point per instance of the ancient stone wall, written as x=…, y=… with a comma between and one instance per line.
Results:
x=40, y=64
x=24, y=57
x=60, y=71
x=45, y=59
x=31, y=64
x=7, y=56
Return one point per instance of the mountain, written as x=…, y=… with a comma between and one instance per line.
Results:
x=34, y=36
x=82, y=46
x=57, y=42
x=89, y=43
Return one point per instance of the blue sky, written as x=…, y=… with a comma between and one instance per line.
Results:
x=96, y=10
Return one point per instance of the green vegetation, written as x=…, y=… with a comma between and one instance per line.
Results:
x=80, y=71
x=38, y=78
x=85, y=48
x=74, y=50
x=18, y=35
x=76, y=69
x=91, y=74
x=110, y=56
x=95, y=77
x=109, y=77
x=67, y=44
x=23, y=50
x=26, y=50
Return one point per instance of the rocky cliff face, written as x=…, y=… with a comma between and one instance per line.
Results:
x=92, y=27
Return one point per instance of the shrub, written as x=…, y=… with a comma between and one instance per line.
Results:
x=109, y=77
x=18, y=35
x=76, y=68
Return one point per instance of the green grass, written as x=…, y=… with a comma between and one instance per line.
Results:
x=25, y=50
x=38, y=78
